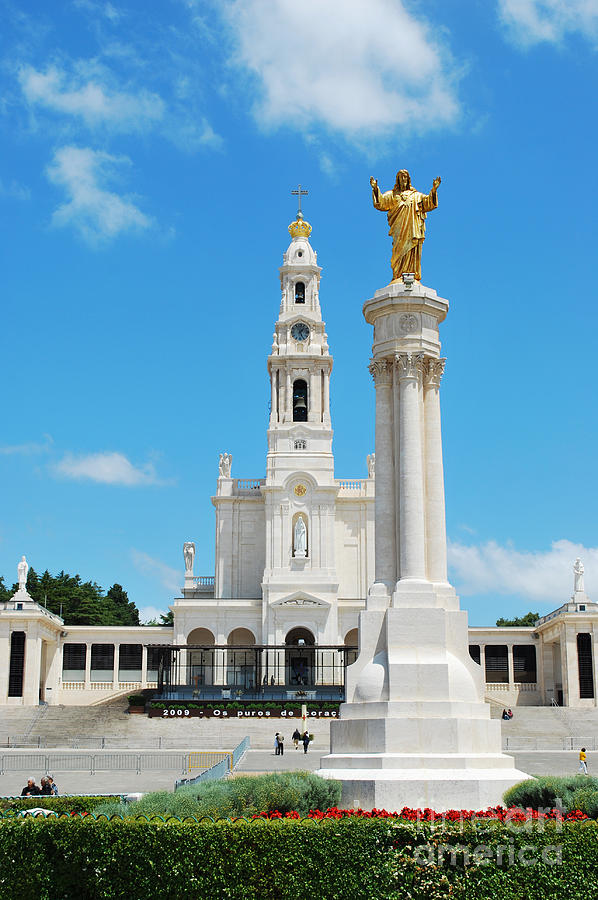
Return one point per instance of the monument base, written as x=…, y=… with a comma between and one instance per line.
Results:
x=387, y=781
x=415, y=730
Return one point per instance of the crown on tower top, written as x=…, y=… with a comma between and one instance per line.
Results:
x=300, y=227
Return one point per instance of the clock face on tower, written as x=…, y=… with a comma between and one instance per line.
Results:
x=300, y=331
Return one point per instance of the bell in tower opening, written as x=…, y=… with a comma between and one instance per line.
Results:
x=300, y=401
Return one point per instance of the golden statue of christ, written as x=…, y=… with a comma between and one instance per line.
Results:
x=406, y=210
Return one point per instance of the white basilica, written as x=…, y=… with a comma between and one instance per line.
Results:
x=294, y=562
x=294, y=549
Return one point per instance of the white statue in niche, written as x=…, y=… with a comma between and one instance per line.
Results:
x=300, y=538
x=224, y=465
x=578, y=570
x=371, y=460
x=22, y=570
x=189, y=556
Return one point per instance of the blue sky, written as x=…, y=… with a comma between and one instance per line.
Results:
x=148, y=156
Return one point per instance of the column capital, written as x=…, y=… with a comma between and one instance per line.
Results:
x=433, y=370
x=409, y=365
x=381, y=371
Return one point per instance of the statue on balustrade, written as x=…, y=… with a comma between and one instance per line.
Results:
x=22, y=571
x=578, y=569
x=224, y=465
x=189, y=556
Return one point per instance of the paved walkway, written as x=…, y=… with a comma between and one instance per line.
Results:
x=532, y=762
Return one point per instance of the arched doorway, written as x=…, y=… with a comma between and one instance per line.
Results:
x=300, y=657
x=241, y=665
x=351, y=640
x=200, y=663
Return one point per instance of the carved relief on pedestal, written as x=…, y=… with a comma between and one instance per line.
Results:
x=409, y=365
x=433, y=369
x=408, y=323
x=381, y=371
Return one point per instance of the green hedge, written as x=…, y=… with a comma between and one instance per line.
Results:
x=332, y=860
x=58, y=804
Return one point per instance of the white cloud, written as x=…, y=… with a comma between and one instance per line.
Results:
x=543, y=576
x=27, y=449
x=106, y=468
x=359, y=69
x=536, y=21
x=82, y=94
x=151, y=613
x=167, y=576
x=97, y=213
x=105, y=10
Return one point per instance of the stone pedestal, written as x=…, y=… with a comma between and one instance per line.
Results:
x=415, y=730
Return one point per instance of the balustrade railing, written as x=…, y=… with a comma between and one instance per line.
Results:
x=351, y=484
x=203, y=582
x=249, y=484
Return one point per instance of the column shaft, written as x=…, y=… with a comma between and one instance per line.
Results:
x=435, y=511
x=326, y=416
x=411, y=509
x=385, y=551
x=273, y=409
x=288, y=400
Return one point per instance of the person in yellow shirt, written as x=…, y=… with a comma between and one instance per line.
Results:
x=583, y=762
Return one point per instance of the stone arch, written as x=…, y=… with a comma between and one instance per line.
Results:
x=351, y=640
x=200, y=663
x=300, y=657
x=240, y=637
x=242, y=669
x=201, y=636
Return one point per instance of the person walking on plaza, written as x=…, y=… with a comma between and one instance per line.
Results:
x=305, y=740
x=296, y=738
x=30, y=789
x=276, y=745
x=583, y=762
x=281, y=744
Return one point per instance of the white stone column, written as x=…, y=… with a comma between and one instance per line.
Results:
x=435, y=512
x=511, y=667
x=412, y=563
x=288, y=400
x=385, y=555
x=483, y=661
x=4, y=661
x=326, y=415
x=313, y=409
x=273, y=410
x=115, y=669
x=33, y=650
x=143, y=666
x=87, y=666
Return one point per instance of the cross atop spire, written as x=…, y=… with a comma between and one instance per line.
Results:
x=299, y=193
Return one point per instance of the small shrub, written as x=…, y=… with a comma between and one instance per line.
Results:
x=244, y=795
x=547, y=789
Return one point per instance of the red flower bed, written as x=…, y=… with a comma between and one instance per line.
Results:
x=500, y=813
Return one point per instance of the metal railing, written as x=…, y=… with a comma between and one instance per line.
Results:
x=113, y=762
x=522, y=743
x=220, y=769
x=96, y=742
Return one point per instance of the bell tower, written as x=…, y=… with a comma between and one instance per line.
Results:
x=300, y=490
